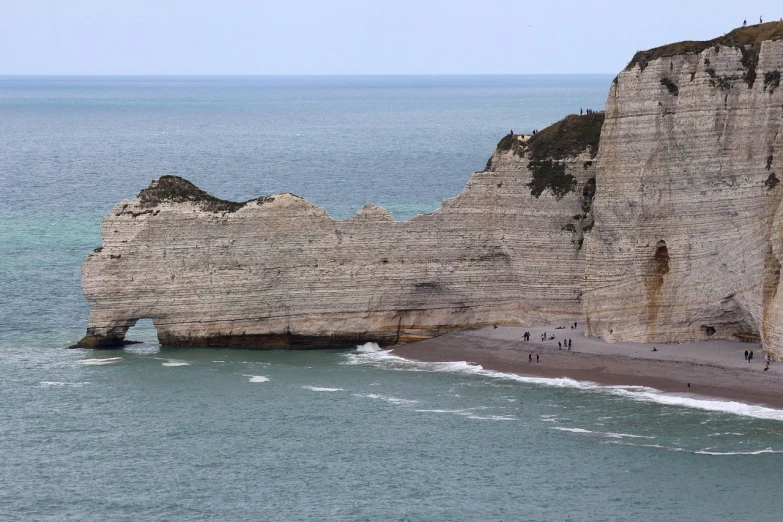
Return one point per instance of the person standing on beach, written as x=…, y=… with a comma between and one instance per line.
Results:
x=569, y=344
x=530, y=358
x=559, y=346
x=750, y=356
x=746, y=355
x=536, y=357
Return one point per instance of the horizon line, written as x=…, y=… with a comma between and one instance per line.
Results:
x=2, y=75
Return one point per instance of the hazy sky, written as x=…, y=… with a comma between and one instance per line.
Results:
x=351, y=37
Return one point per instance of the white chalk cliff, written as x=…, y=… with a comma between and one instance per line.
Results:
x=686, y=243
x=280, y=272
x=672, y=233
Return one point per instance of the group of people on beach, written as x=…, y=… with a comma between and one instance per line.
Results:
x=749, y=357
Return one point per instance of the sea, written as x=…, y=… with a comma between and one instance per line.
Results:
x=156, y=433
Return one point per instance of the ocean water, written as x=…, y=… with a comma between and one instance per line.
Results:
x=154, y=433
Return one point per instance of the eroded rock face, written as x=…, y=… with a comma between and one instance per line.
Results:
x=686, y=244
x=674, y=232
x=279, y=272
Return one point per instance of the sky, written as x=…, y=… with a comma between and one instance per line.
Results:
x=126, y=37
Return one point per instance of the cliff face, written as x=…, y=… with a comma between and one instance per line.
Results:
x=279, y=272
x=672, y=233
x=687, y=241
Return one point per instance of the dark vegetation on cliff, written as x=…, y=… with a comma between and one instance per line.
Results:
x=550, y=175
x=570, y=136
x=175, y=189
x=565, y=139
x=746, y=39
x=549, y=148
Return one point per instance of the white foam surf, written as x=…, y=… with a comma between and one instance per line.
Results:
x=719, y=453
x=174, y=362
x=59, y=384
x=100, y=362
x=454, y=412
x=368, y=348
x=392, y=400
x=492, y=417
x=257, y=378
x=607, y=434
x=384, y=359
x=572, y=430
x=319, y=389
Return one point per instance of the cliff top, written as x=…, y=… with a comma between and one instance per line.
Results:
x=567, y=138
x=747, y=39
x=179, y=190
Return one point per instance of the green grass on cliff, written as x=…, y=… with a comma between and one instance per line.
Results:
x=548, y=149
x=178, y=190
x=550, y=175
x=746, y=39
x=570, y=136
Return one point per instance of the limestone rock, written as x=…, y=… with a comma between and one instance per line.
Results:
x=279, y=272
x=687, y=243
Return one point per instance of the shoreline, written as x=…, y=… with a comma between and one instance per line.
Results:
x=715, y=369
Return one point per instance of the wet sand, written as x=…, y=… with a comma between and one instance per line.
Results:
x=716, y=369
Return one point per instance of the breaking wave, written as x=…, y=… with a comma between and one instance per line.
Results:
x=100, y=362
x=369, y=348
x=608, y=434
x=317, y=389
x=174, y=362
x=392, y=400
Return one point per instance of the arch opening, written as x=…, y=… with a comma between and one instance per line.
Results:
x=142, y=331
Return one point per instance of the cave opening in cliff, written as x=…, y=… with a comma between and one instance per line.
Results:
x=661, y=259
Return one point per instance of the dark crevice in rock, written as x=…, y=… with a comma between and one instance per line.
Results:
x=772, y=181
x=670, y=86
x=771, y=80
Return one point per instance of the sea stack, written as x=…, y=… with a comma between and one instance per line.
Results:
x=659, y=220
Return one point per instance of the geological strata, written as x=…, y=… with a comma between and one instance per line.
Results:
x=668, y=230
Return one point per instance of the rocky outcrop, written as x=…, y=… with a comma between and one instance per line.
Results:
x=687, y=243
x=279, y=272
x=671, y=233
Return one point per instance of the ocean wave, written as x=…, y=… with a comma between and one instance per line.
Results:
x=384, y=359
x=369, y=348
x=100, y=362
x=456, y=412
x=572, y=430
x=317, y=389
x=257, y=378
x=61, y=384
x=719, y=453
x=492, y=417
x=696, y=452
x=392, y=400
x=608, y=434
x=174, y=362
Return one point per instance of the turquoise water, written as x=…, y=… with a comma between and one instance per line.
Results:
x=151, y=433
